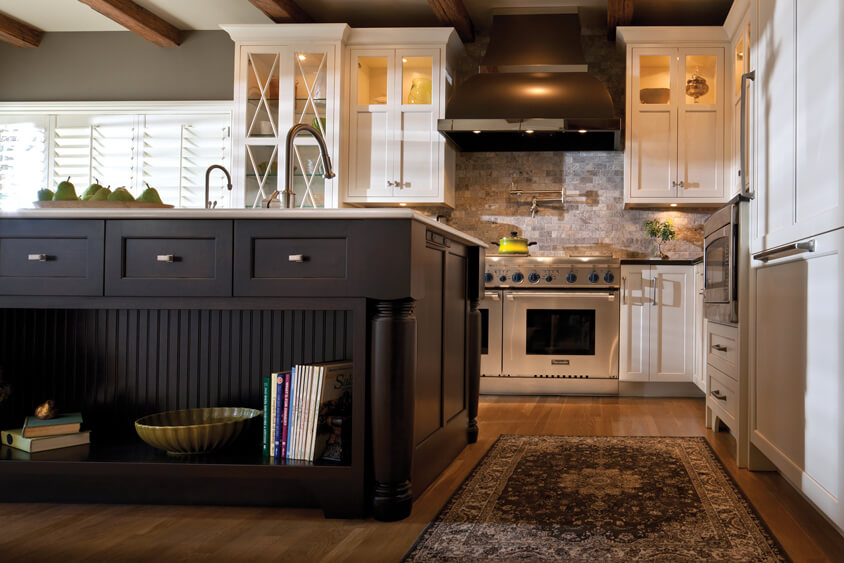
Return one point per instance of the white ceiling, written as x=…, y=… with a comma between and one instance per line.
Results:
x=72, y=15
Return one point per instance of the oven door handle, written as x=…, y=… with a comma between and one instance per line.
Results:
x=537, y=294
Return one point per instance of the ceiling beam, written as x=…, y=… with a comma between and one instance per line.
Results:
x=282, y=11
x=138, y=20
x=18, y=33
x=453, y=13
x=619, y=12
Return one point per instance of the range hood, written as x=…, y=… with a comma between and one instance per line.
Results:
x=533, y=93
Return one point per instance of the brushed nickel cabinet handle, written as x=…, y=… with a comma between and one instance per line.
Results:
x=623, y=290
x=717, y=394
x=37, y=257
x=746, y=190
x=719, y=347
x=296, y=258
x=804, y=246
x=165, y=258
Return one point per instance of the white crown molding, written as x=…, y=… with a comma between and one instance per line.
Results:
x=672, y=34
x=284, y=32
x=734, y=17
x=400, y=35
x=160, y=107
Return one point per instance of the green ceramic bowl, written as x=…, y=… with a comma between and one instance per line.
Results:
x=194, y=431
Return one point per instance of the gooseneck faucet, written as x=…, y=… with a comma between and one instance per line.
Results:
x=207, y=176
x=288, y=196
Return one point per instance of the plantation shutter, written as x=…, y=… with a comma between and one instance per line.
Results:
x=178, y=149
x=23, y=159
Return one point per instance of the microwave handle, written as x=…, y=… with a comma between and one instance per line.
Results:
x=746, y=191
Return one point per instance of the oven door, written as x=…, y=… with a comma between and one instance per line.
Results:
x=571, y=334
x=718, y=266
x=490, y=309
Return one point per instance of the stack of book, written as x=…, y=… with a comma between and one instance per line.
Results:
x=53, y=433
x=305, y=410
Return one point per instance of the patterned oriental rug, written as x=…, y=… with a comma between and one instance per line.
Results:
x=559, y=498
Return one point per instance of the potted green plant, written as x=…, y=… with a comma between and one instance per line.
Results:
x=661, y=231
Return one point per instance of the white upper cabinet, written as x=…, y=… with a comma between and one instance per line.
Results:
x=799, y=120
x=285, y=74
x=397, y=85
x=675, y=131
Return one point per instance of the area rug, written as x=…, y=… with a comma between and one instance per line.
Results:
x=556, y=498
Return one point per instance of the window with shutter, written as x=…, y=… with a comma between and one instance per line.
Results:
x=23, y=159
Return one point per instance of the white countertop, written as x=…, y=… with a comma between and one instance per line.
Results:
x=348, y=213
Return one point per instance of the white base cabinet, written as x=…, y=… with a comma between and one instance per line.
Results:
x=797, y=386
x=657, y=323
x=699, y=374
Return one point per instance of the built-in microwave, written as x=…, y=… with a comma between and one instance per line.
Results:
x=720, y=267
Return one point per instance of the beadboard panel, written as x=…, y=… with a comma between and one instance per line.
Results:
x=117, y=365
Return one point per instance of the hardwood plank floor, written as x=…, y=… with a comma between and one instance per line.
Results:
x=41, y=532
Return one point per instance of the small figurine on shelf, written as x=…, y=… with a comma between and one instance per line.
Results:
x=661, y=231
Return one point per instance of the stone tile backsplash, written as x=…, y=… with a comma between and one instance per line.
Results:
x=593, y=220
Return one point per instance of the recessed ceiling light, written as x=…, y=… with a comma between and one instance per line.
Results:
x=301, y=57
x=403, y=59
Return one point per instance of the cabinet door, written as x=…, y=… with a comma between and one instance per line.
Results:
x=654, y=124
x=634, y=337
x=417, y=114
x=371, y=146
x=797, y=386
x=741, y=49
x=672, y=323
x=700, y=143
x=820, y=118
x=774, y=206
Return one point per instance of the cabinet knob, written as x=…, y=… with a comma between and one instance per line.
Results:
x=391, y=183
x=680, y=184
x=296, y=258
x=166, y=258
x=37, y=257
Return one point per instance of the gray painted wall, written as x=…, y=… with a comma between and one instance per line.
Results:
x=119, y=66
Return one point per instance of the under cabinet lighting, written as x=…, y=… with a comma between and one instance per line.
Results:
x=476, y=132
x=403, y=204
x=581, y=131
x=529, y=131
x=673, y=205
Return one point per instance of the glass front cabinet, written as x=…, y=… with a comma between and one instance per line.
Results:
x=285, y=74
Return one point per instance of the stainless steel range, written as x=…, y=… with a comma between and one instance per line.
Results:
x=550, y=325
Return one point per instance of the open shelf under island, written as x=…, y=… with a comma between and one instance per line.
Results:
x=104, y=325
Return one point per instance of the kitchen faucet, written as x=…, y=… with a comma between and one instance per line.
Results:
x=288, y=195
x=207, y=176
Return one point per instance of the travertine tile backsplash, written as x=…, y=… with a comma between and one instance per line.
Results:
x=593, y=220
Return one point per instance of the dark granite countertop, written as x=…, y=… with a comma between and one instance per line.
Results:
x=643, y=261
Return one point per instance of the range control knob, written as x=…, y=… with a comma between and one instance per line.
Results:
x=608, y=277
x=533, y=278
x=487, y=277
x=502, y=278
x=549, y=278
x=594, y=277
x=571, y=277
x=518, y=277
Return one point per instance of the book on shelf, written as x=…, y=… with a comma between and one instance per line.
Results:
x=15, y=439
x=310, y=410
x=265, y=427
x=70, y=453
x=34, y=427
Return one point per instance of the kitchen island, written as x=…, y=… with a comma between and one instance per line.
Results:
x=122, y=313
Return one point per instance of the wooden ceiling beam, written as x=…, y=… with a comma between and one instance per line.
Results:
x=138, y=20
x=619, y=12
x=18, y=33
x=453, y=13
x=282, y=11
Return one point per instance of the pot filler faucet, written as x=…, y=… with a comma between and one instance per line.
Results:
x=208, y=204
x=288, y=196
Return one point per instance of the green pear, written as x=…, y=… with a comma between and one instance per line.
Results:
x=150, y=195
x=120, y=194
x=92, y=189
x=45, y=195
x=65, y=192
x=101, y=195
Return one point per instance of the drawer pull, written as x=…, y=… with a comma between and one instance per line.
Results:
x=37, y=257
x=296, y=258
x=717, y=394
x=719, y=348
x=165, y=258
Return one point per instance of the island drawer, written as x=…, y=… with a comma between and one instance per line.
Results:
x=722, y=391
x=168, y=258
x=51, y=257
x=722, y=348
x=290, y=258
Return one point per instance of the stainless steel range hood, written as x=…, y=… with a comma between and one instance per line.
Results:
x=533, y=92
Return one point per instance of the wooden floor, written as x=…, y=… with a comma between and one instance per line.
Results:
x=41, y=532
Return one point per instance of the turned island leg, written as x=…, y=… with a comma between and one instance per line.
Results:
x=392, y=404
x=473, y=368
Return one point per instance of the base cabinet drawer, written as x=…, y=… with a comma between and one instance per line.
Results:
x=722, y=391
x=168, y=258
x=51, y=257
x=722, y=348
